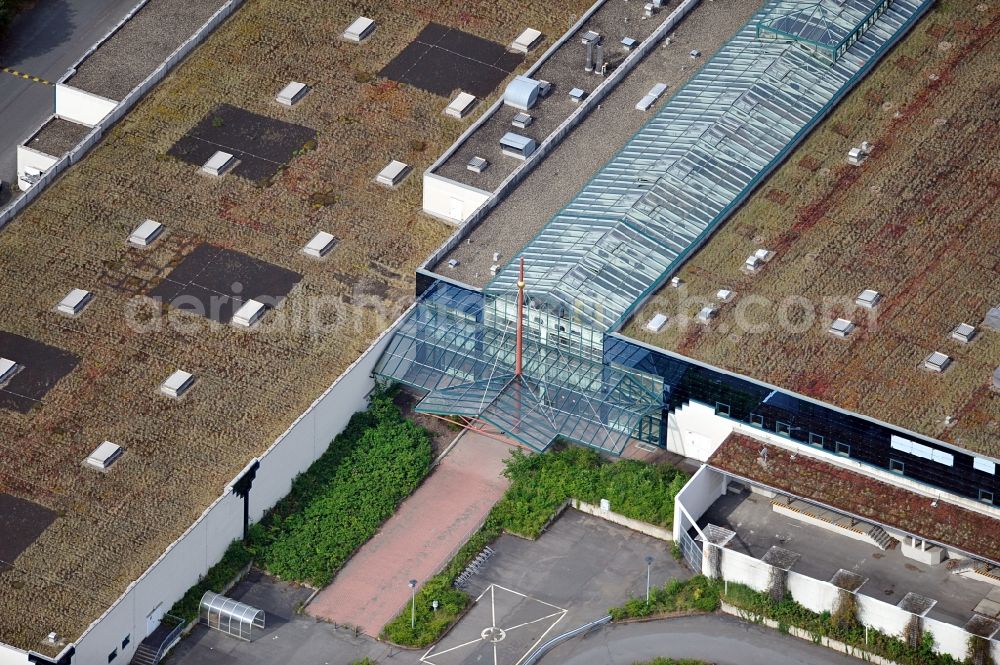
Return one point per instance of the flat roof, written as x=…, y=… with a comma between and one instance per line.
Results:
x=910, y=222
x=680, y=176
x=809, y=478
x=136, y=49
x=57, y=137
x=180, y=455
x=554, y=181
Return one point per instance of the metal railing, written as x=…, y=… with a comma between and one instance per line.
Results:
x=171, y=637
x=537, y=654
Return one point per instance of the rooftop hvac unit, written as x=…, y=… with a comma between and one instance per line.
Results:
x=707, y=313
x=104, y=456
x=74, y=302
x=8, y=368
x=724, y=295
x=963, y=332
x=177, y=384
x=577, y=94
x=654, y=93
x=320, y=245
x=393, y=174
x=292, y=93
x=359, y=30
x=218, y=163
x=522, y=120
x=248, y=314
x=145, y=233
x=460, y=106
x=526, y=41
x=868, y=298
x=656, y=323
x=629, y=43
x=937, y=362
x=842, y=327
x=517, y=146
x=522, y=93
x=477, y=165
x=992, y=320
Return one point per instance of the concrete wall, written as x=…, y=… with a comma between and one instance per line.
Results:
x=737, y=567
x=695, y=431
x=11, y=656
x=82, y=107
x=705, y=486
x=31, y=158
x=814, y=594
x=617, y=518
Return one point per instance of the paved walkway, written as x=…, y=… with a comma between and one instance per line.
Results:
x=419, y=539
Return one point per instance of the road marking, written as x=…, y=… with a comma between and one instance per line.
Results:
x=26, y=77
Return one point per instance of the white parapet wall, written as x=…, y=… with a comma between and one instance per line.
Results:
x=11, y=656
x=695, y=431
x=698, y=495
x=450, y=200
x=34, y=159
x=82, y=107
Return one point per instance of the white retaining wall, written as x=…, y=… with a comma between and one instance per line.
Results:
x=82, y=107
x=203, y=544
x=817, y=595
x=646, y=528
x=31, y=158
x=695, y=431
x=705, y=486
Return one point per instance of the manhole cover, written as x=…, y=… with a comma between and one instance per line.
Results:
x=493, y=634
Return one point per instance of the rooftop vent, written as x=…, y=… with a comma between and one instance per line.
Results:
x=648, y=10
x=145, y=233
x=676, y=282
x=868, y=298
x=393, y=174
x=8, y=368
x=724, y=295
x=248, y=314
x=359, y=30
x=629, y=43
x=842, y=327
x=320, y=244
x=855, y=156
x=522, y=93
x=757, y=260
x=74, y=302
x=963, y=332
x=992, y=320
x=177, y=384
x=937, y=362
x=104, y=456
x=590, y=37
x=577, y=95
x=218, y=163
x=517, y=146
x=707, y=313
x=656, y=323
x=522, y=120
x=654, y=93
x=460, y=106
x=526, y=41
x=292, y=93
x=695, y=53
x=453, y=263
x=477, y=164
x=544, y=88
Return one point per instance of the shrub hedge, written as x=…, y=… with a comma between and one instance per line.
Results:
x=218, y=576
x=698, y=594
x=539, y=485
x=344, y=497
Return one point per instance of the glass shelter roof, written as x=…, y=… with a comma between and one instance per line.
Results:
x=697, y=158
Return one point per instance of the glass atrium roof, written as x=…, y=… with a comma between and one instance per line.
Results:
x=468, y=368
x=697, y=159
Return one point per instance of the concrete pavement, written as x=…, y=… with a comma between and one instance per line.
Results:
x=717, y=639
x=44, y=42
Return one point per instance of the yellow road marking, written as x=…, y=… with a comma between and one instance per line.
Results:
x=27, y=77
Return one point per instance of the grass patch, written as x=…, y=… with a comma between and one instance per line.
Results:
x=672, y=661
x=345, y=496
x=698, y=594
x=540, y=484
x=788, y=613
x=236, y=558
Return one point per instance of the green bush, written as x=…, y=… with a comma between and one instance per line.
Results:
x=344, y=497
x=698, y=594
x=787, y=612
x=539, y=485
x=218, y=576
x=672, y=661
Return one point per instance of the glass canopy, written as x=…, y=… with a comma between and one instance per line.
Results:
x=698, y=158
x=468, y=370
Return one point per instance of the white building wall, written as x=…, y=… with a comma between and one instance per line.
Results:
x=882, y=616
x=813, y=594
x=31, y=158
x=695, y=431
x=738, y=567
x=11, y=656
x=705, y=486
x=948, y=638
x=82, y=107
x=450, y=200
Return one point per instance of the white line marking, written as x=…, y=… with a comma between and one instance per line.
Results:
x=538, y=641
x=494, y=653
x=530, y=597
x=478, y=639
x=493, y=608
x=528, y=623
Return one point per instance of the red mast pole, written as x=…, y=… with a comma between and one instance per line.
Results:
x=520, y=320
